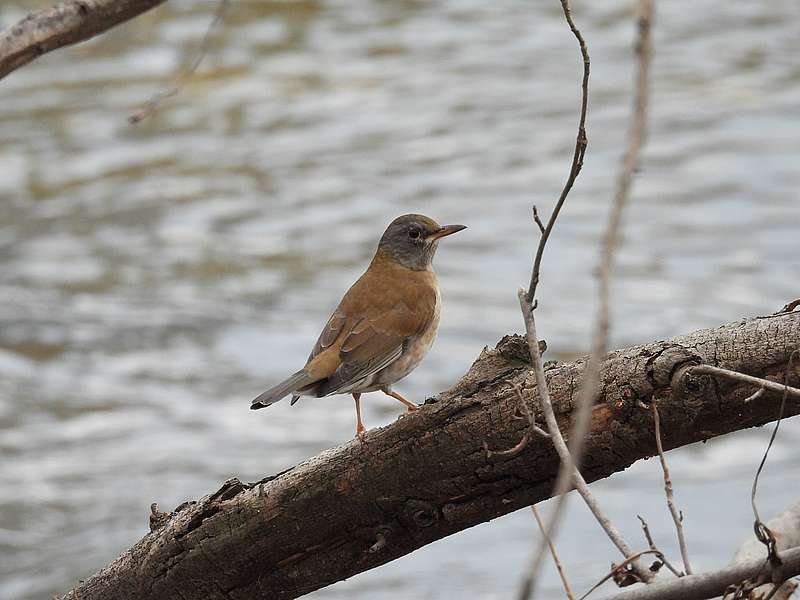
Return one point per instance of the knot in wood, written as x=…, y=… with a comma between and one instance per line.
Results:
x=663, y=366
x=421, y=513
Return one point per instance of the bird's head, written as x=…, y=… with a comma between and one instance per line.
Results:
x=412, y=240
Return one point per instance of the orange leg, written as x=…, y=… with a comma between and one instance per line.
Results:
x=410, y=405
x=360, y=429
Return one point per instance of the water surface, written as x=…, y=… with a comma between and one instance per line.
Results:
x=154, y=278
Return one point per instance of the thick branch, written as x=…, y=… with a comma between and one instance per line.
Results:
x=67, y=23
x=427, y=476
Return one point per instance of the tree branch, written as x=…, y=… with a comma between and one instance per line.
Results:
x=425, y=477
x=708, y=585
x=573, y=477
x=602, y=326
x=67, y=23
x=577, y=157
x=765, y=384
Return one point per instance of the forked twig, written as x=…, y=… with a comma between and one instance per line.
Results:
x=591, y=374
x=527, y=304
x=652, y=544
x=617, y=568
x=677, y=517
x=577, y=157
x=567, y=465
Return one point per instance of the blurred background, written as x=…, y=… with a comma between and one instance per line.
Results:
x=155, y=278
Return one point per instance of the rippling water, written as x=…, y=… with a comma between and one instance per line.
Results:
x=154, y=278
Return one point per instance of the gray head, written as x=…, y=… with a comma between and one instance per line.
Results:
x=412, y=240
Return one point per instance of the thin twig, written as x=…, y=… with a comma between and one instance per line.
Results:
x=152, y=105
x=772, y=386
x=538, y=220
x=528, y=303
x=591, y=374
x=652, y=545
x=554, y=553
x=616, y=568
x=577, y=156
x=567, y=465
x=762, y=532
x=676, y=517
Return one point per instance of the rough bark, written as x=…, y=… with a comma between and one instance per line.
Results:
x=365, y=503
x=67, y=23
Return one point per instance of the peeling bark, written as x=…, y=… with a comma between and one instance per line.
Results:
x=365, y=503
x=67, y=23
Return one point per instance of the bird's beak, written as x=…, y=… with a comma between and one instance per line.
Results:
x=444, y=231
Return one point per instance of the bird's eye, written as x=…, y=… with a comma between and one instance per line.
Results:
x=414, y=233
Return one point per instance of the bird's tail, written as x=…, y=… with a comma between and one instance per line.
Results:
x=295, y=382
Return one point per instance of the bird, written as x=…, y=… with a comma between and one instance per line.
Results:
x=384, y=325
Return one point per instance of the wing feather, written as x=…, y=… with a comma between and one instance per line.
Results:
x=370, y=327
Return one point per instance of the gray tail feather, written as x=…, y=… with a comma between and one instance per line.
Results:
x=273, y=394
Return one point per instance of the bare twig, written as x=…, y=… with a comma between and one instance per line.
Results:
x=538, y=220
x=152, y=105
x=577, y=157
x=567, y=465
x=615, y=569
x=591, y=374
x=554, y=553
x=709, y=585
x=677, y=518
x=69, y=22
x=528, y=303
x=772, y=386
x=652, y=545
x=763, y=533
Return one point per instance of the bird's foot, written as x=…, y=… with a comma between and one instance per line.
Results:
x=409, y=409
x=360, y=431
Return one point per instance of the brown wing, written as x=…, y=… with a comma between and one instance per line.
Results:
x=330, y=333
x=371, y=328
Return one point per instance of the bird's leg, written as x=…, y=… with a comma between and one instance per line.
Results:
x=360, y=429
x=410, y=405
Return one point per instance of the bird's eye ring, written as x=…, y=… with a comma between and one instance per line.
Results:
x=414, y=233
